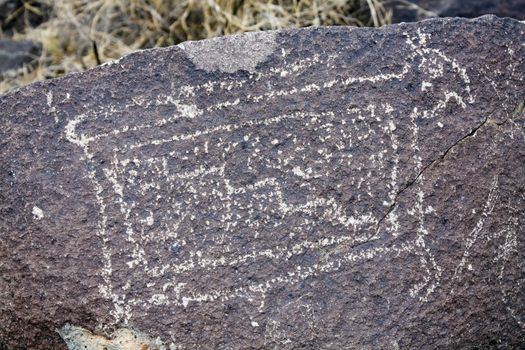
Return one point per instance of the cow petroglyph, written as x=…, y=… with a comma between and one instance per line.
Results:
x=258, y=204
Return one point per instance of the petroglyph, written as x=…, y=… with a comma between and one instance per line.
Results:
x=477, y=230
x=274, y=190
x=262, y=204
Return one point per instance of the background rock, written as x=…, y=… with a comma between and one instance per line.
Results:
x=408, y=11
x=474, y=8
x=350, y=188
x=17, y=54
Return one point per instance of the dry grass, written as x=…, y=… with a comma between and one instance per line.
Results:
x=83, y=33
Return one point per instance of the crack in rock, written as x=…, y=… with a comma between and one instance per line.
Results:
x=424, y=169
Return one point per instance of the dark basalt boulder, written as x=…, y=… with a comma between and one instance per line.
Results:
x=322, y=188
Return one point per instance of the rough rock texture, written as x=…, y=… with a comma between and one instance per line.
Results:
x=16, y=54
x=352, y=188
x=465, y=8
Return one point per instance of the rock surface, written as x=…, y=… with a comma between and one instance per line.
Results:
x=343, y=188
